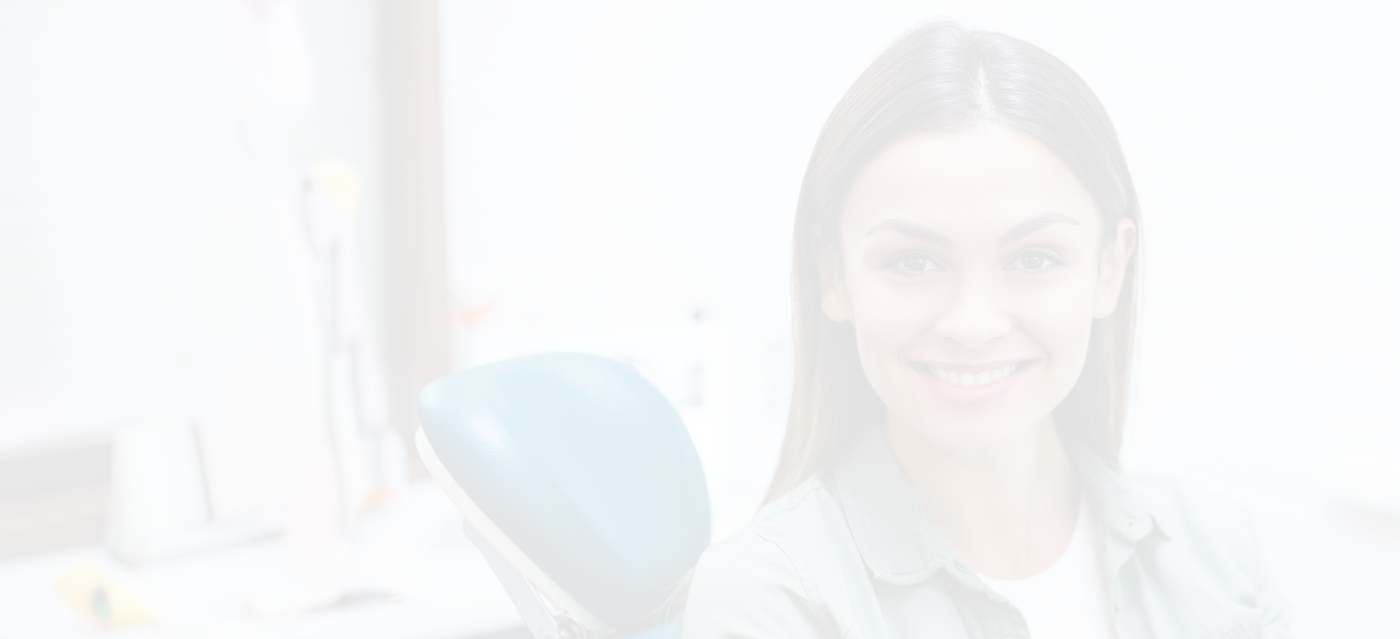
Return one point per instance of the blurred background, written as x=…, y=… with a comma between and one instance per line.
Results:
x=237, y=236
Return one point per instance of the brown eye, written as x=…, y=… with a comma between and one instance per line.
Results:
x=912, y=263
x=1036, y=261
x=916, y=264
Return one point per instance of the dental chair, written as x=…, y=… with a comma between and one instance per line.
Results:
x=579, y=484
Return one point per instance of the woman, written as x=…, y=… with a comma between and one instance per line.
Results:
x=964, y=280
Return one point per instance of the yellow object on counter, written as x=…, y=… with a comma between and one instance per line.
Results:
x=94, y=596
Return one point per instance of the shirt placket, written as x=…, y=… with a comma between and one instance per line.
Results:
x=1120, y=533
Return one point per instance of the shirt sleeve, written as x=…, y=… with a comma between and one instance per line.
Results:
x=750, y=588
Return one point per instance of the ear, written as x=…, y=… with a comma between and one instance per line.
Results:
x=1113, y=266
x=836, y=304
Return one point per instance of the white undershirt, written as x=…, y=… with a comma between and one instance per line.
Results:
x=1068, y=600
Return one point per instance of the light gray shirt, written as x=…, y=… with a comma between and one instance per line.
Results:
x=853, y=554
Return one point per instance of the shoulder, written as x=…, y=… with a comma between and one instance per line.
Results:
x=1186, y=510
x=771, y=578
x=1210, y=550
x=1207, y=539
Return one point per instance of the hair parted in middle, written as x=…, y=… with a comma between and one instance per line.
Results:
x=939, y=76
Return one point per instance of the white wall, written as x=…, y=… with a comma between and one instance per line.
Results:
x=147, y=203
x=111, y=144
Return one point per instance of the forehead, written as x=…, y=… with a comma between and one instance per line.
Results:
x=980, y=178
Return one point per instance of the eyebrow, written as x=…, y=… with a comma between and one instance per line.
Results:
x=906, y=227
x=1021, y=231
x=1031, y=226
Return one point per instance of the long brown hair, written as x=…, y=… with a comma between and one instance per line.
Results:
x=934, y=77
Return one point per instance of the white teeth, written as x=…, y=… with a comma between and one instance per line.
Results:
x=958, y=378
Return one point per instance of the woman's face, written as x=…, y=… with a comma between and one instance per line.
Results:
x=972, y=264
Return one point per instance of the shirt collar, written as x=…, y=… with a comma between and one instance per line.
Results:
x=1116, y=505
x=900, y=544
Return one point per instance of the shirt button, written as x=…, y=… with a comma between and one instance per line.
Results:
x=1130, y=524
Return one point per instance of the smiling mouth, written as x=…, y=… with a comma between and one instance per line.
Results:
x=968, y=379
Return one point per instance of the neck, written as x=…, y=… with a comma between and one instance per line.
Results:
x=1008, y=512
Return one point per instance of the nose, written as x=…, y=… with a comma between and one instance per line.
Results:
x=974, y=320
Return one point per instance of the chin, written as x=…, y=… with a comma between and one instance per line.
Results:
x=956, y=431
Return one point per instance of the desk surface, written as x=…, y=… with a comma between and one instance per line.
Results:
x=430, y=583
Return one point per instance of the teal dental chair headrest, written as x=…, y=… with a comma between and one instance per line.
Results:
x=577, y=476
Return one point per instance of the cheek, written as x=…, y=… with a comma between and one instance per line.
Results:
x=889, y=315
x=1060, y=319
